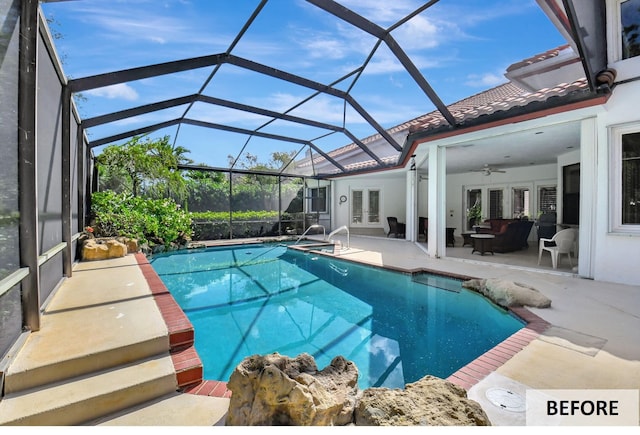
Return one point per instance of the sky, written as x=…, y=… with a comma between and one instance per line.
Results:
x=461, y=47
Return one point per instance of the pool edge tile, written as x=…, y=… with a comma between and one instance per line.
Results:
x=501, y=353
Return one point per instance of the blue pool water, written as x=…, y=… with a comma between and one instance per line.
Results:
x=258, y=299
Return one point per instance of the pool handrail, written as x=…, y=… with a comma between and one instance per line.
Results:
x=345, y=228
x=324, y=232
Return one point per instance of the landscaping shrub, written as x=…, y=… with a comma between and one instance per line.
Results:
x=121, y=214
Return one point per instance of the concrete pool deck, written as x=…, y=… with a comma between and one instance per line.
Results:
x=591, y=341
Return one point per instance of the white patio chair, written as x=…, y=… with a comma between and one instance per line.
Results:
x=563, y=243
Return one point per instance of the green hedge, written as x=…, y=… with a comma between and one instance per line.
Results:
x=215, y=225
x=223, y=216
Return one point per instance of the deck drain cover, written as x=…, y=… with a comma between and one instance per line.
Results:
x=505, y=399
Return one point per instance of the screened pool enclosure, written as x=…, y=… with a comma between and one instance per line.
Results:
x=48, y=167
x=328, y=122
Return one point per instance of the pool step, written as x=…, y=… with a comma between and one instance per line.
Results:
x=78, y=400
x=31, y=371
x=172, y=410
x=440, y=282
x=85, y=329
x=100, y=350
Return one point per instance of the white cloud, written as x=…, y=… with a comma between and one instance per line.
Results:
x=423, y=32
x=120, y=91
x=326, y=47
x=417, y=37
x=383, y=65
x=331, y=110
x=156, y=29
x=385, y=62
x=225, y=116
x=321, y=108
x=381, y=11
x=485, y=80
x=139, y=21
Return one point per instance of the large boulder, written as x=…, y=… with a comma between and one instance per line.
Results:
x=277, y=390
x=132, y=244
x=508, y=293
x=430, y=401
x=96, y=249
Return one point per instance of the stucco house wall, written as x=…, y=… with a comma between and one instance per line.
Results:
x=392, y=198
x=616, y=256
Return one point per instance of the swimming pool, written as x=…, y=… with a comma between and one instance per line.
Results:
x=262, y=298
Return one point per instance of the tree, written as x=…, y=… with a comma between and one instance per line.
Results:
x=278, y=160
x=252, y=187
x=208, y=190
x=144, y=165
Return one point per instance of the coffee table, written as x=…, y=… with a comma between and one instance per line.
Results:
x=466, y=238
x=482, y=243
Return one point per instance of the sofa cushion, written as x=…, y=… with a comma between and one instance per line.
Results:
x=496, y=225
x=514, y=237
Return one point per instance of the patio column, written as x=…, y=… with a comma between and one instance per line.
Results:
x=412, y=203
x=436, y=245
x=67, y=235
x=589, y=151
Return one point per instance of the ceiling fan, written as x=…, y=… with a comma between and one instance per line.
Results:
x=488, y=170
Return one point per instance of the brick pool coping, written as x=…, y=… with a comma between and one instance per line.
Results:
x=186, y=361
x=488, y=362
x=189, y=368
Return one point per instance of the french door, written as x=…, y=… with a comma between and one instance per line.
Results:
x=365, y=207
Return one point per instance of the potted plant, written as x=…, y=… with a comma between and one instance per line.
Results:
x=474, y=214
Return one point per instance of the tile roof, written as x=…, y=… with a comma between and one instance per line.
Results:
x=388, y=161
x=538, y=58
x=500, y=98
x=494, y=100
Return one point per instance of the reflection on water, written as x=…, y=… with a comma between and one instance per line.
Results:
x=260, y=299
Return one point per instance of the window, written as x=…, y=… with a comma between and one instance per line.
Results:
x=630, y=28
x=319, y=199
x=625, y=178
x=571, y=194
x=495, y=204
x=623, y=38
x=547, y=199
x=520, y=203
x=357, y=206
x=631, y=179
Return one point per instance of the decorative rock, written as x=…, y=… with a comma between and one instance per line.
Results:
x=132, y=244
x=95, y=249
x=430, y=401
x=507, y=293
x=277, y=390
x=196, y=245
